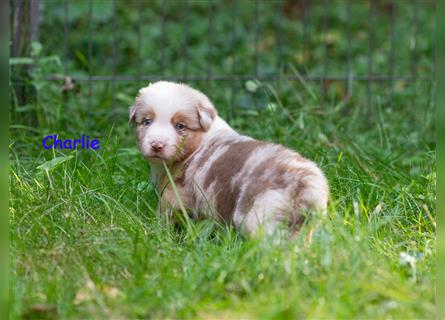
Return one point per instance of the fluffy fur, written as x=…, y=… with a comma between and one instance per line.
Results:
x=219, y=173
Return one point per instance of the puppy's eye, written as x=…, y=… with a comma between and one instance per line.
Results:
x=147, y=122
x=180, y=126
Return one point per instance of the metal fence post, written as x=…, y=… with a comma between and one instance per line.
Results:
x=17, y=27
x=34, y=17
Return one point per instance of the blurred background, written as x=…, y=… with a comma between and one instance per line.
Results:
x=94, y=54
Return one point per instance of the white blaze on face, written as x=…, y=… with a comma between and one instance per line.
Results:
x=165, y=101
x=167, y=104
x=160, y=132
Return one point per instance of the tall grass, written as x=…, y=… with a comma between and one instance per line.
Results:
x=86, y=242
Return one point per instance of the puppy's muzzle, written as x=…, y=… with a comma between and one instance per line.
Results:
x=157, y=146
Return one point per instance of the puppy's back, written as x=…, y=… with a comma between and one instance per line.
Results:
x=252, y=183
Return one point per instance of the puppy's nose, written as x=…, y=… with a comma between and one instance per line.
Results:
x=157, y=146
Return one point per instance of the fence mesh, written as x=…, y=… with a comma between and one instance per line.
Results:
x=334, y=43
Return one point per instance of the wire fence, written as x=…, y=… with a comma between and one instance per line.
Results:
x=278, y=29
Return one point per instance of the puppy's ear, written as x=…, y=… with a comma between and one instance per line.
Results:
x=206, y=113
x=133, y=108
x=132, y=115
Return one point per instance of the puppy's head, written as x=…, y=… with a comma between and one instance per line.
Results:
x=170, y=120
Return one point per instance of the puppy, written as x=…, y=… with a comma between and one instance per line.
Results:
x=219, y=173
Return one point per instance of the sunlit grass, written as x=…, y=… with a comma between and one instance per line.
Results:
x=86, y=242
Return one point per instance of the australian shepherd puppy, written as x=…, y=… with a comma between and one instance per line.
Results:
x=218, y=173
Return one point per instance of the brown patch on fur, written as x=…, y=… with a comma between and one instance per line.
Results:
x=139, y=135
x=260, y=182
x=207, y=108
x=144, y=112
x=188, y=117
x=283, y=177
x=224, y=169
x=204, y=155
x=190, y=143
x=299, y=207
x=138, y=117
x=139, y=110
x=169, y=197
x=191, y=136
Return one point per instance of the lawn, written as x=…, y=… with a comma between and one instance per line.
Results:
x=84, y=239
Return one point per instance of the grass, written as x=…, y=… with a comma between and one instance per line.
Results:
x=84, y=239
